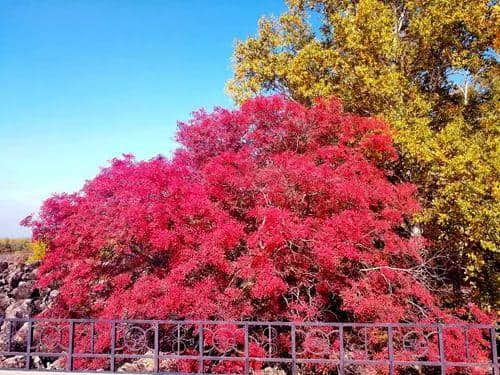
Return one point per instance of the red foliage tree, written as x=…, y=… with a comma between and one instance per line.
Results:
x=271, y=211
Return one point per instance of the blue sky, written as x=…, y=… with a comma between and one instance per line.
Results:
x=84, y=81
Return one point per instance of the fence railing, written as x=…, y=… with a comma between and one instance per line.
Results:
x=247, y=347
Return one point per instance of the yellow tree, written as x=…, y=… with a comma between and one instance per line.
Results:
x=429, y=68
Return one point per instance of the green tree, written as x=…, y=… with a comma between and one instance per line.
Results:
x=427, y=67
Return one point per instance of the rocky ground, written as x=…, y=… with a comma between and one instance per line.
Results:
x=19, y=298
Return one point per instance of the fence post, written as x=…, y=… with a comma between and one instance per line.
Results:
x=92, y=338
x=28, y=344
x=391, y=350
x=341, y=348
x=494, y=350
x=201, y=347
x=247, y=361
x=466, y=336
x=294, y=350
x=442, y=358
x=69, y=360
x=113, y=339
x=269, y=341
x=157, y=349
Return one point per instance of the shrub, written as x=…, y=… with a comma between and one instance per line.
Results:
x=38, y=249
x=273, y=211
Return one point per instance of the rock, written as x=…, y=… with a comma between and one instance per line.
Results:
x=19, y=337
x=147, y=365
x=3, y=266
x=58, y=364
x=14, y=278
x=168, y=365
x=272, y=371
x=19, y=298
x=30, y=274
x=23, y=290
x=17, y=283
x=140, y=365
x=19, y=309
x=36, y=362
x=14, y=362
x=3, y=342
x=5, y=302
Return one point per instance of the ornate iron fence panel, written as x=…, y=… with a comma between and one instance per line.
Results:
x=247, y=347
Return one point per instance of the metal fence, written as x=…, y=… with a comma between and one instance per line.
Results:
x=247, y=347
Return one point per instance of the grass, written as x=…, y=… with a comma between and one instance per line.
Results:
x=9, y=245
